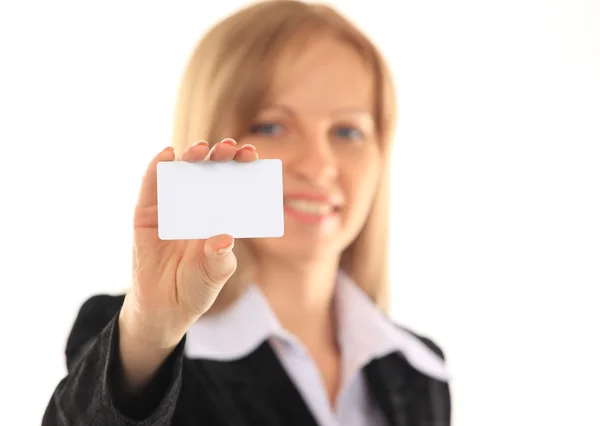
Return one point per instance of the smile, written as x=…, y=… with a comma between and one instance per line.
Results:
x=315, y=208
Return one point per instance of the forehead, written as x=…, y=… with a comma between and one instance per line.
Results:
x=321, y=75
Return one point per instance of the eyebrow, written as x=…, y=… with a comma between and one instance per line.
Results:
x=343, y=111
x=356, y=110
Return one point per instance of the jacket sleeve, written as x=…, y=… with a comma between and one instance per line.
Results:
x=87, y=395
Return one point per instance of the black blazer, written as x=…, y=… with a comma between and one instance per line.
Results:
x=253, y=391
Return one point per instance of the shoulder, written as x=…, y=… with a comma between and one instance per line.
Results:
x=93, y=316
x=425, y=340
x=422, y=353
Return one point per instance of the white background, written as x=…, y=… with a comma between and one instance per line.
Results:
x=496, y=194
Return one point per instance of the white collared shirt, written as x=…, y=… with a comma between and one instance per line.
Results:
x=365, y=333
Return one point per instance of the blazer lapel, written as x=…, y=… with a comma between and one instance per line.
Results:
x=260, y=390
x=407, y=397
x=390, y=391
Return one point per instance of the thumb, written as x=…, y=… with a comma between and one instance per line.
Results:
x=219, y=261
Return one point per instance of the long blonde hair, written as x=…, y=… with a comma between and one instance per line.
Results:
x=228, y=77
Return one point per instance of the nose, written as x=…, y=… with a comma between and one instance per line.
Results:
x=315, y=161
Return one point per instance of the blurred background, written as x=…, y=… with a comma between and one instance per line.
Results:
x=495, y=242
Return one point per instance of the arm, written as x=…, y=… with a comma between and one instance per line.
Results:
x=94, y=391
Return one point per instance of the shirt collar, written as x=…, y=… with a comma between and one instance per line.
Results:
x=365, y=332
x=236, y=331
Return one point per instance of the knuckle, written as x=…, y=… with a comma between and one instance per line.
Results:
x=216, y=273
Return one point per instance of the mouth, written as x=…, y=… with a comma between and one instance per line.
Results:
x=312, y=209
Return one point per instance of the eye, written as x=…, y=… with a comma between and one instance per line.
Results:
x=348, y=132
x=269, y=129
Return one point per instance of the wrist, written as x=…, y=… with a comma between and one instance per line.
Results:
x=148, y=331
x=142, y=351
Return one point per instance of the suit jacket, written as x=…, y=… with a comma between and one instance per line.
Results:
x=254, y=390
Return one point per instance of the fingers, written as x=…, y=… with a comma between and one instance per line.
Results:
x=147, y=196
x=196, y=152
x=219, y=261
x=246, y=153
x=226, y=150
x=222, y=151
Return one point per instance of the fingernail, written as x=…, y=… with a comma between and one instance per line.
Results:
x=225, y=250
x=169, y=148
x=200, y=143
x=229, y=141
x=210, y=153
x=249, y=147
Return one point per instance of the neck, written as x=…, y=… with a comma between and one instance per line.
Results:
x=301, y=296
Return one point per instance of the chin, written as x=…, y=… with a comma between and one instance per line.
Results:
x=326, y=238
x=308, y=250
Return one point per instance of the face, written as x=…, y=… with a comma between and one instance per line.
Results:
x=319, y=122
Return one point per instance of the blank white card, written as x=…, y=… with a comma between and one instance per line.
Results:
x=203, y=199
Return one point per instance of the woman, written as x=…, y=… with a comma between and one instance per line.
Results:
x=282, y=331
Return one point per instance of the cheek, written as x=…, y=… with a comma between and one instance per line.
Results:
x=361, y=177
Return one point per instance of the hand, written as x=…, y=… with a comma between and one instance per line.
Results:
x=175, y=282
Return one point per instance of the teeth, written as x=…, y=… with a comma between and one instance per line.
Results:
x=310, y=207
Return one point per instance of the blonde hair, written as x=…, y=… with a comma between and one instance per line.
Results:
x=227, y=79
